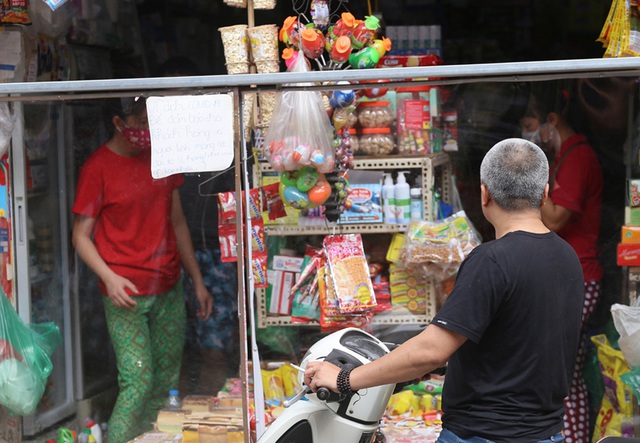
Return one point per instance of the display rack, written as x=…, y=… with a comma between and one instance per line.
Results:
x=431, y=166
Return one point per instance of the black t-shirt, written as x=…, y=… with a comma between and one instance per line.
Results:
x=518, y=300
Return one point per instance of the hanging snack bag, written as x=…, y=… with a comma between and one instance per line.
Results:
x=300, y=133
x=14, y=12
x=349, y=272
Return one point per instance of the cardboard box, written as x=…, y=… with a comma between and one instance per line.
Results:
x=280, y=284
x=633, y=189
x=628, y=254
x=409, y=60
x=630, y=234
x=286, y=263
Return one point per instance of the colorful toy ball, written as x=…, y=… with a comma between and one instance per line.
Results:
x=342, y=99
x=382, y=45
x=289, y=55
x=365, y=58
x=376, y=92
x=364, y=32
x=345, y=25
x=341, y=49
x=312, y=43
x=320, y=192
x=290, y=32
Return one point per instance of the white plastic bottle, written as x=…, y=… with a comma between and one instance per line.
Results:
x=388, y=199
x=173, y=402
x=403, y=198
x=96, y=430
x=416, y=204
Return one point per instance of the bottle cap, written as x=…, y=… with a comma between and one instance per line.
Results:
x=415, y=192
x=401, y=177
x=174, y=392
x=89, y=422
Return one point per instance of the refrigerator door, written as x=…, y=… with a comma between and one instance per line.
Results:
x=41, y=228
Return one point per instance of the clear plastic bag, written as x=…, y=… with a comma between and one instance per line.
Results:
x=25, y=363
x=300, y=133
x=626, y=319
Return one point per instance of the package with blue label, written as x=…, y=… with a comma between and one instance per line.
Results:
x=364, y=198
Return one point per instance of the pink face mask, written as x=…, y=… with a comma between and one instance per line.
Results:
x=140, y=138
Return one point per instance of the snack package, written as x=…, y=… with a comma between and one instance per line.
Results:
x=615, y=417
x=408, y=290
x=14, y=12
x=438, y=247
x=349, y=273
x=273, y=201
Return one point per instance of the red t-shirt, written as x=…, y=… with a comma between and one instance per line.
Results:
x=578, y=188
x=133, y=232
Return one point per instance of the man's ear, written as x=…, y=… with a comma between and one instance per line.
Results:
x=553, y=118
x=485, y=195
x=545, y=195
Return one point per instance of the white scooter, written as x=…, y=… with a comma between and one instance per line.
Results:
x=325, y=416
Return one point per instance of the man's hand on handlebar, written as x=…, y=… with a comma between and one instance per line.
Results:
x=321, y=375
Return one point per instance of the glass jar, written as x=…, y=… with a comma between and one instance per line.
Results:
x=376, y=142
x=376, y=114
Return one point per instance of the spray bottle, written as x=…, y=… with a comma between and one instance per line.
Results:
x=403, y=198
x=388, y=200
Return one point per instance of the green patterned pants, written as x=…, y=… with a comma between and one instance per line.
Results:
x=148, y=341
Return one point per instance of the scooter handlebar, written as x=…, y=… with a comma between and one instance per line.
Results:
x=328, y=395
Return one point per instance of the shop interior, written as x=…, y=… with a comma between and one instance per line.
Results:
x=105, y=39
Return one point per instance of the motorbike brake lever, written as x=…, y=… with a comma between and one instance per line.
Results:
x=305, y=390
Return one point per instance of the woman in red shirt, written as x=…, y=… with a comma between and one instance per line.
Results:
x=573, y=211
x=131, y=231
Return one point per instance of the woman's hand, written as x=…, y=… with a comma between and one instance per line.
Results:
x=205, y=302
x=321, y=375
x=116, y=290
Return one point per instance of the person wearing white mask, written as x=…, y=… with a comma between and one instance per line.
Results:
x=131, y=231
x=573, y=211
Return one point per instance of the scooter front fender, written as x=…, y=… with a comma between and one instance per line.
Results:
x=313, y=422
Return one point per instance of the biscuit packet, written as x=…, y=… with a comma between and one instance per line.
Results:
x=349, y=272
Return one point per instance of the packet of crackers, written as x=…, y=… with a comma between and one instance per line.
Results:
x=349, y=272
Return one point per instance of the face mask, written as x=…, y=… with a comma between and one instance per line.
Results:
x=549, y=138
x=140, y=138
x=532, y=136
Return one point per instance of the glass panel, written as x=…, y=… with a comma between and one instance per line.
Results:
x=48, y=266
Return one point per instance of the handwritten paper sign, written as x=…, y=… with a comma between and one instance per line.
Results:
x=190, y=133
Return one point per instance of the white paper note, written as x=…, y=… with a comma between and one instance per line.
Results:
x=190, y=133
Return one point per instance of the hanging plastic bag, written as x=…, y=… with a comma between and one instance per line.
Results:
x=25, y=362
x=626, y=319
x=300, y=133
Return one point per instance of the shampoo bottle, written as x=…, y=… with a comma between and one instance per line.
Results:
x=403, y=198
x=388, y=199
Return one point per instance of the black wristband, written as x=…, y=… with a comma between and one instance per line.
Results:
x=343, y=382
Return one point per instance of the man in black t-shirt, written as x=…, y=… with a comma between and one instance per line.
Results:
x=509, y=330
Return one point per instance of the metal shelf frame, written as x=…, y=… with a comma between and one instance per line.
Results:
x=428, y=165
